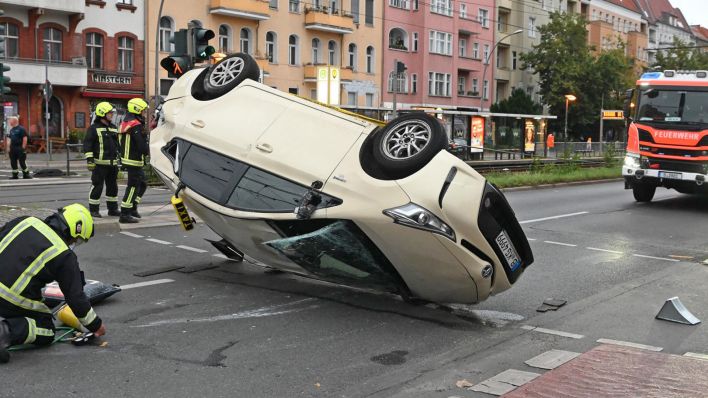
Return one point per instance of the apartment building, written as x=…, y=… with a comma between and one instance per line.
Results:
x=290, y=39
x=88, y=50
x=701, y=36
x=665, y=23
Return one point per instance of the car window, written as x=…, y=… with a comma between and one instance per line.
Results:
x=261, y=191
x=208, y=173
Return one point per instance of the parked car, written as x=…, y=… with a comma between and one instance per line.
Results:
x=459, y=148
x=306, y=188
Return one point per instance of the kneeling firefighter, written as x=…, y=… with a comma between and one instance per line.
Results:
x=134, y=150
x=33, y=253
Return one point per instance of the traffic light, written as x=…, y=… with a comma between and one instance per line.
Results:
x=201, y=50
x=3, y=68
x=179, y=61
x=400, y=67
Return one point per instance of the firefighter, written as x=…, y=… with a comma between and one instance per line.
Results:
x=17, y=146
x=33, y=253
x=101, y=148
x=134, y=150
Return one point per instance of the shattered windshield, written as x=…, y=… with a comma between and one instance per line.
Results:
x=674, y=106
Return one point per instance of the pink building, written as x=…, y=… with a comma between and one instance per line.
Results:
x=443, y=44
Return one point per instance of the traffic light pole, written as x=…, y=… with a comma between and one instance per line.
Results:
x=157, y=56
x=46, y=114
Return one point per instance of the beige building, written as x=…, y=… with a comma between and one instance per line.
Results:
x=289, y=39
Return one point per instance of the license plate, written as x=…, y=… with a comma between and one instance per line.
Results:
x=510, y=255
x=670, y=175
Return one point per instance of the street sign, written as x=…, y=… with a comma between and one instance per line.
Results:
x=612, y=115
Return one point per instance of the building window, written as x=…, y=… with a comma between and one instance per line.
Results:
x=369, y=99
x=294, y=6
x=313, y=94
x=501, y=23
x=292, y=50
x=165, y=85
x=351, y=98
x=125, y=54
x=398, y=83
x=166, y=28
x=513, y=60
x=461, y=85
x=398, y=3
x=397, y=39
x=484, y=18
x=475, y=50
x=415, y=42
x=352, y=56
x=369, y=12
x=463, y=10
x=462, y=44
x=224, y=38
x=486, y=53
x=52, y=44
x=332, y=52
x=271, y=47
x=443, y=7
x=94, y=50
x=273, y=4
x=439, y=84
x=315, y=51
x=415, y=5
x=11, y=43
x=532, y=27
x=485, y=89
x=440, y=42
x=355, y=11
x=475, y=87
x=245, y=40
x=414, y=83
x=293, y=90
x=370, y=59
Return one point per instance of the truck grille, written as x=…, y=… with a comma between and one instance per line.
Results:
x=677, y=165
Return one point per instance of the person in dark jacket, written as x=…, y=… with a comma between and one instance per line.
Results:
x=33, y=253
x=17, y=147
x=134, y=149
x=101, y=149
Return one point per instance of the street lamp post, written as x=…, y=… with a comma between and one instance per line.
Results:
x=486, y=64
x=568, y=98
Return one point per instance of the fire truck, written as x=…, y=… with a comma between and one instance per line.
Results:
x=667, y=138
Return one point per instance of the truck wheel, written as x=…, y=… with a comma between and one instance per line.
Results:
x=222, y=77
x=643, y=192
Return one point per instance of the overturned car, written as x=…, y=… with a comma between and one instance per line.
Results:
x=306, y=188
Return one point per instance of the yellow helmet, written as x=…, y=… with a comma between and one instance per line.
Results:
x=103, y=108
x=79, y=220
x=137, y=105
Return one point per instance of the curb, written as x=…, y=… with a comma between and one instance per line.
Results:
x=40, y=183
x=560, y=185
x=106, y=227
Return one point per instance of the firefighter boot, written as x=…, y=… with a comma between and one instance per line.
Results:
x=126, y=217
x=134, y=211
x=113, y=209
x=14, y=175
x=26, y=175
x=94, y=211
x=4, y=341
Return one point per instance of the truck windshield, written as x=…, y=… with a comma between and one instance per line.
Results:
x=673, y=106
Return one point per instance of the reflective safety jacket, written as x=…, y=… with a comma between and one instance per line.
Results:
x=101, y=144
x=32, y=254
x=133, y=142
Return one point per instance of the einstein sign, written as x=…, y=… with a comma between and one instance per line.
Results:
x=112, y=79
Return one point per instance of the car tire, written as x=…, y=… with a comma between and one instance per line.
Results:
x=228, y=73
x=407, y=143
x=643, y=192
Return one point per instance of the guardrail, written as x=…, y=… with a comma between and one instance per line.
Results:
x=76, y=159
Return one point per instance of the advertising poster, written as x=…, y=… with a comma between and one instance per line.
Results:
x=477, y=134
x=529, y=136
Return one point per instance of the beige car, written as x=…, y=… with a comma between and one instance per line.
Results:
x=304, y=188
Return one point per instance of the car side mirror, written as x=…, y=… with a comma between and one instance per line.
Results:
x=628, y=103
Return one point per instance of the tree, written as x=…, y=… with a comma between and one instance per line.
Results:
x=681, y=56
x=519, y=102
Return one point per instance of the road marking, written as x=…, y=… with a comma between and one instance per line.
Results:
x=192, y=249
x=553, y=217
x=257, y=313
x=504, y=382
x=604, y=250
x=696, y=355
x=656, y=258
x=559, y=243
x=630, y=344
x=530, y=239
x=132, y=235
x=553, y=332
x=551, y=359
x=681, y=257
x=146, y=283
x=162, y=242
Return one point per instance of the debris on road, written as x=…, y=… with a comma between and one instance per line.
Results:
x=551, y=304
x=463, y=384
x=674, y=311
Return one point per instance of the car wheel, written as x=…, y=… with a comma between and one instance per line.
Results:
x=408, y=143
x=643, y=192
x=222, y=77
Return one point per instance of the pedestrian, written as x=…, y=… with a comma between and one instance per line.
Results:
x=17, y=148
x=134, y=150
x=101, y=149
x=33, y=253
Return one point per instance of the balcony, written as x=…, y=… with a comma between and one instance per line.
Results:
x=335, y=22
x=64, y=6
x=257, y=10
x=60, y=74
x=505, y=4
x=503, y=74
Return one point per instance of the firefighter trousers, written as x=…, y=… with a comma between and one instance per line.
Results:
x=18, y=155
x=135, y=189
x=104, y=175
x=27, y=327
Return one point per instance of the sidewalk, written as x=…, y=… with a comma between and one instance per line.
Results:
x=39, y=161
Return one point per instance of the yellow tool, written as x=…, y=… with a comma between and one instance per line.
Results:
x=184, y=218
x=67, y=317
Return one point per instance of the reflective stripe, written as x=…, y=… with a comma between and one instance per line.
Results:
x=34, y=268
x=19, y=228
x=31, y=331
x=99, y=133
x=89, y=155
x=94, y=201
x=104, y=162
x=128, y=203
x=22, y=302
x=90, y=317
x=111, y=198
x=136, y=163
x=138, y=199
x=126, y=153
x=44, y=332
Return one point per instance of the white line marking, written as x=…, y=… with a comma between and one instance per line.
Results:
x=530, y=239
x=696, y=355
x=221, y=256
x=147, y=283
x=553, y=217
x=559, y=243
x=553, y=332
x=257, y=313
x=551, y=359
x=656, y=258
x=192, y=249
x=162, y=242
x=132, y=235
x=630, y=344
x=604, y=250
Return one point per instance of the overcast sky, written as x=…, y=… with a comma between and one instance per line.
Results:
x=695, y=11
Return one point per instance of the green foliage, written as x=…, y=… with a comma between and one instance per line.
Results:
x=519, y=102
x=610, y=155
x=536, y=164
x=681, y=57
x=552, y=176
x=76, y=136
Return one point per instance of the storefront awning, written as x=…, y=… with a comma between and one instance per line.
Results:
x=112, y=94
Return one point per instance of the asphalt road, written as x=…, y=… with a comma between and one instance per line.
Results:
x=236, y=331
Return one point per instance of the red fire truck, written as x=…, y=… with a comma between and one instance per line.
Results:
x=667, y=140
